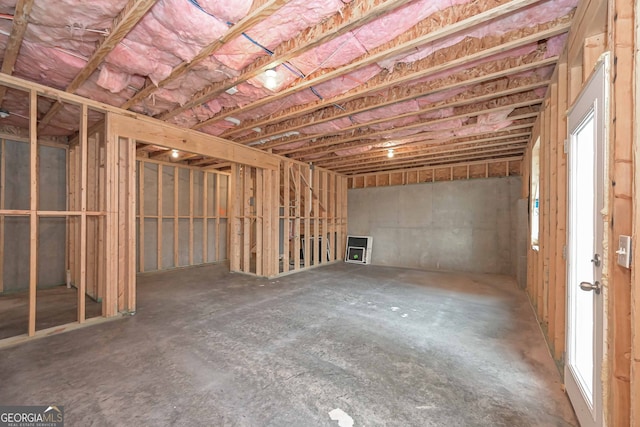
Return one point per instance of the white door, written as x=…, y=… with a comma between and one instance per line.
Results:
x=587, y=161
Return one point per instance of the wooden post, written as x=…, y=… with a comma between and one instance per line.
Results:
x=234, y=218
x=205, y=217
x=286, y=227
x=622, y=38
x=553, y=212
x=325, y=217
x=109, y=306
x=131, y=224
x=561, y=188
x=176, y=216
x=246, y=229
x=316, y=218
x=3, y=155
x=82, y=290
x=141, y=167
x=308, y=197
x=216, y=207
x=33, y=207
x=159, y=223
x=190, y=216
x=297, y=177
x=260, y=194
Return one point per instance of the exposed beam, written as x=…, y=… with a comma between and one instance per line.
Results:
x=426, y=110
x=351, y=16
x=441, y=162
x=397, y=83
x=20, y=21
x=381, y=154
x=433, y=154
x=128, y=17
x=387, y=51
x=261, y=9
x=146, y=129
x=430, y=168
x=513, y=128
x=367, y=137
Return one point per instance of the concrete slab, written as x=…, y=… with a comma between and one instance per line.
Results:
x=383, y=346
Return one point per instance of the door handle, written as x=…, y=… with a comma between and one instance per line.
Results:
x=586, y=286
x=596, y=260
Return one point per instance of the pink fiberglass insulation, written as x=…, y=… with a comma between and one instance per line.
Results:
x=495, y=117
x=555, y=45
x=5, y=30
x=174, y=31
x=90, y=89
x=87, y=14
x=326, y=89
x=327, y=127
x=291, y=146
x=388, y=111
x=8, y=6
x=355, y=150
x=190, y=25
x=392, y=124
x=78, y=41
x=132, y=57
x=283, y=25
x=354, y=44
x=480, y=129
x=217, y=128
x=55, y=67
x=226, y=11
x=528, y=17
x=112, y=80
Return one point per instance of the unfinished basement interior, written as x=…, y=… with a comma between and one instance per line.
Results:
x=319, y=213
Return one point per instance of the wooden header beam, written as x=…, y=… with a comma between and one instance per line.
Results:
x=153, y=131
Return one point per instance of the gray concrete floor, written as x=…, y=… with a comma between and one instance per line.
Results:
x=55, y=306
x=388, y=346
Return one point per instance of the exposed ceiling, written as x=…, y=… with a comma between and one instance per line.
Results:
x=336, y=83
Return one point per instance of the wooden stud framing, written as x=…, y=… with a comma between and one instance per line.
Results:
x=141, y=215
x=82, y=289
x=3, y=155
x=33, y=207
x=206, y=193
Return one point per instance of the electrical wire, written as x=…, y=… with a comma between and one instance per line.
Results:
x=292, y=68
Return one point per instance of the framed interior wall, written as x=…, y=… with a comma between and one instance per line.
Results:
x=182, y=216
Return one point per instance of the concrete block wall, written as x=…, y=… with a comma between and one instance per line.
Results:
x=52, y=196
x=468, y=225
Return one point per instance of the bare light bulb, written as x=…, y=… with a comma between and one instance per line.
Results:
x=390, y=153
x=174, y=154
x=271, y=72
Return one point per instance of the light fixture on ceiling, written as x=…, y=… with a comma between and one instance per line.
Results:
x=270, y=78
x=232, y=120
x=390, y=153
x=175, y=154
x=4, y=113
